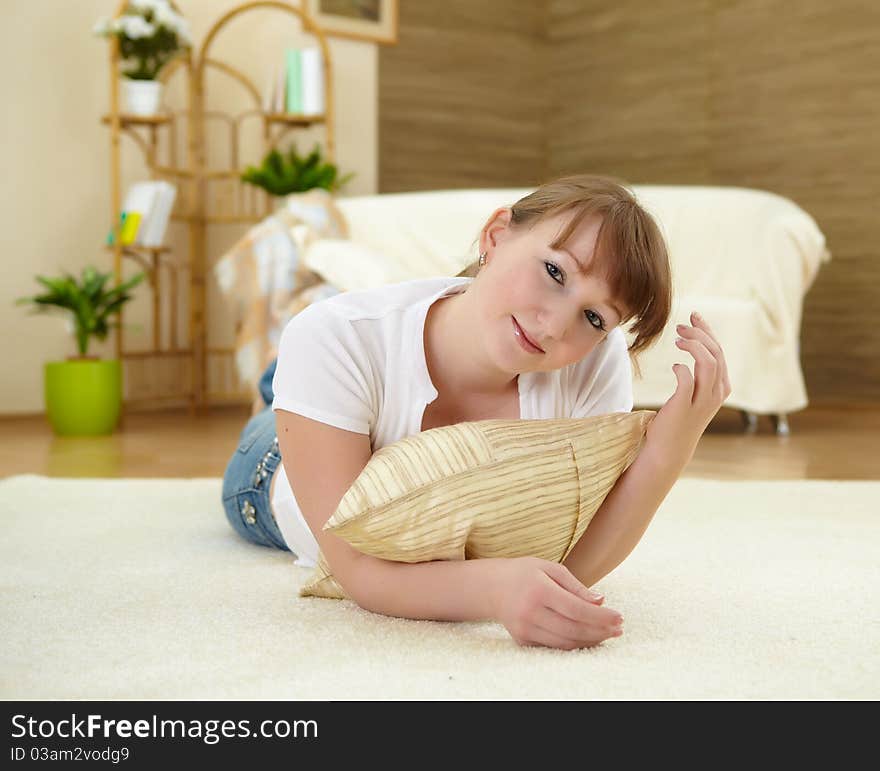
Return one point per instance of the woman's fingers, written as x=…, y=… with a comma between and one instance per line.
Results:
x=685, y=382
x=705, y=368
x=576, y=610
x=573, y=600
x=570, y=615
x=703, y=344
x=540, y=636
x=702, y=325
x=573, y=634
x=567, y=580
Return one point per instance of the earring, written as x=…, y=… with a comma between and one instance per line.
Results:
x=482, y=259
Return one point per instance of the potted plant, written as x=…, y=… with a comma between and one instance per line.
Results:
x=150, y=35
x=83, y=395
x=283, y=174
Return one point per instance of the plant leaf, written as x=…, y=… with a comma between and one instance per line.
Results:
x=85, y=299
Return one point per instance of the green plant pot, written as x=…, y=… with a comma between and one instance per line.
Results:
x=83, y=397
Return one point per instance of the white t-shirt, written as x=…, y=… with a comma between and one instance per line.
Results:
x=357, y=361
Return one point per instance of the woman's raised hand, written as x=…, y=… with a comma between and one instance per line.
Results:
x=541, y=603
x=698, y=397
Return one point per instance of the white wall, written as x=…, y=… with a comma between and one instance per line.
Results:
x=55, y=192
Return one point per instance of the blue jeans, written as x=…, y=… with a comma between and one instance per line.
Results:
x=249, y=473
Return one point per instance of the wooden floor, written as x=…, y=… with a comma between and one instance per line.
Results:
x=825, y=443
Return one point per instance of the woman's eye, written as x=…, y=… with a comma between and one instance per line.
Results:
x=550, y=268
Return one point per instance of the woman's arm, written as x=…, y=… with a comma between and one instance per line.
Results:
x=620, y=522
x=440, y=590
x=322, y=462
x=538, y=601
x=672, y=437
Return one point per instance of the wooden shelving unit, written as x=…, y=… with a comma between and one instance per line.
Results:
x=192, y=370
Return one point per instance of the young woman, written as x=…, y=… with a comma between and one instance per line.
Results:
x=533, y=330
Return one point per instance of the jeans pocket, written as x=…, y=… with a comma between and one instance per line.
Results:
x=260, y=425
x=247, y=442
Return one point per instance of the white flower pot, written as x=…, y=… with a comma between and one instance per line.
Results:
x=141, y=97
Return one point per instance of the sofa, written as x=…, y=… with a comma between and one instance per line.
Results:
x=743, y=258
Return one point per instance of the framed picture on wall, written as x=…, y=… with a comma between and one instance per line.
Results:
x=372, y=20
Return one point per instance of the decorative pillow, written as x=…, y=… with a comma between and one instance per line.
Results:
x=489, y=488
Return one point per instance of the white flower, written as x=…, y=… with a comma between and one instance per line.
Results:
x=134, y=27
x=149, y=5
x=165, y=17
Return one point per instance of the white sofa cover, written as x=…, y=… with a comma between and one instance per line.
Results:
x=743, y=258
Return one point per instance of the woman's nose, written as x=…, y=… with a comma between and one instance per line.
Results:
x=554, y=323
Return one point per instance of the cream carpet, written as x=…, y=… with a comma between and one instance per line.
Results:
x=139, y=589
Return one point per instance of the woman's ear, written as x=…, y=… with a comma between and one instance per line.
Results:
x=496, y=229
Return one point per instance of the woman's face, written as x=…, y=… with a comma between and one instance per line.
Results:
x=567, y=314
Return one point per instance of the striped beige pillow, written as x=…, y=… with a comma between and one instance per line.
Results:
x=489, y=488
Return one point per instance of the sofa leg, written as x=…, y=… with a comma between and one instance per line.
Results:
x=750, y=421
x=780, y=421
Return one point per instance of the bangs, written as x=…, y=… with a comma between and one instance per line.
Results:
x=628, y=246
x=616, y=258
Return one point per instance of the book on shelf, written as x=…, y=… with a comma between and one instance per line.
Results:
x=312, y=81
x=294, y=95
x=145, y=214
x=157, y=222
x=297, y=86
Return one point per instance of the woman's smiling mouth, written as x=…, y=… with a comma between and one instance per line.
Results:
x=523, y=339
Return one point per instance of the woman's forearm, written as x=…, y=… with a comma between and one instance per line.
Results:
x=447, y=590
x=626, y=512
x=442, y=590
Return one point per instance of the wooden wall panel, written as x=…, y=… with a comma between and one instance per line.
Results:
x=767, y=94
x=462, y=97
x=630, y=87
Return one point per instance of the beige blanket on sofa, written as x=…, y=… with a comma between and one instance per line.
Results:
x=743, y=258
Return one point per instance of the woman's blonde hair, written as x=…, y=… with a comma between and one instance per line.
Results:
x=631, y=253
